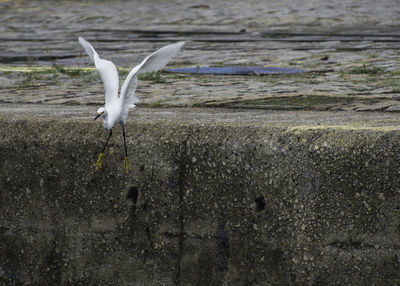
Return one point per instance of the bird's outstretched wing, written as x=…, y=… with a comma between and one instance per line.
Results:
x=153, y=62
x=107, y=70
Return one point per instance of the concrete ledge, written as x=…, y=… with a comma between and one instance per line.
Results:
x=205, y=205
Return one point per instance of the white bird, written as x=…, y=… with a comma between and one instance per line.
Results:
x=116, y=108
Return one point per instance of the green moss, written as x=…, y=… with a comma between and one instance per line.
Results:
x=90, y=78
x=27, y=82
x=396, y=90
x=33, y=77
x=154, y=77
x=122, y=72
x=302, y=101
x=158, y=103
x=72, y=103
x=314, y=77
x=69, y=70
x=366, y=70
x=395, y=73
x=181, y=63
x=388, y=82
x=93, y=17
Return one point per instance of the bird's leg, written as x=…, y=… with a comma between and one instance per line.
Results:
x=127, y=165
x=100, y=160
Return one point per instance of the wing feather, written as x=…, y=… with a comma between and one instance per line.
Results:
x=153, y=62
x=160, y=58
x=107, y=70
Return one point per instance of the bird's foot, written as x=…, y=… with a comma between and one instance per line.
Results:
x=99, y=161
x=127, y=165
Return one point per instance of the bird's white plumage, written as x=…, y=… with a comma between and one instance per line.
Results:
x=88, y=48
x=153, y=62
x=116, y=109
x=107, y=70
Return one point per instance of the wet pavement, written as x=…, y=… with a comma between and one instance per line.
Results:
x=349, y=52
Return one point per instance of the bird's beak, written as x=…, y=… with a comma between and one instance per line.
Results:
x=98, y=115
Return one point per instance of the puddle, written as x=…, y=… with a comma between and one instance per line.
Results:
x=237, y=70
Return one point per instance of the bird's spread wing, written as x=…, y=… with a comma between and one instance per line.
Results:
x=107, y=70
x=160, y=58
x=153, y=62
x=128, y=89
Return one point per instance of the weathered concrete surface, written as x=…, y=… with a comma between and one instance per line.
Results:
x=210, y=202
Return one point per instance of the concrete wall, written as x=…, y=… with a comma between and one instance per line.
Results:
x=204, y=205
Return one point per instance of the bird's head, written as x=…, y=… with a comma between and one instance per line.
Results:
x=101, y=112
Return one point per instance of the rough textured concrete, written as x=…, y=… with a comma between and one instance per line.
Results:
x=206, y=204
